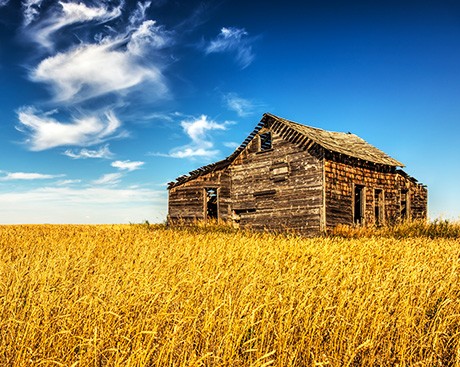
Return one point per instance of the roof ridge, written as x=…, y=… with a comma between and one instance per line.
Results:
x=282, y=119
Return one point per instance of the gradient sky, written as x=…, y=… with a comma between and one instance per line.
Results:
x=104, y=102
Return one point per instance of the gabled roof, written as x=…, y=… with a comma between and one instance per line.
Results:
x=343, y=143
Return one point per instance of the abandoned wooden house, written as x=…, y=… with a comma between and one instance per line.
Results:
x=290, y=176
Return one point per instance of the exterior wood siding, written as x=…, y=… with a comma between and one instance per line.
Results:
x=277, y=189
x=187, y=201
x=341, y=178
x=288, y=176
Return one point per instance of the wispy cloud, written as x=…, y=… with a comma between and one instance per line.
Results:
x=127, y=165
x=89, y=64
x=31, y=9
x=231, y=144
x=3, y=2
x=148, y=36
x=62, y=15
x=67, y=182
x=243, y=107
x=108, y=179
x=29, y=176
x=121, y=57
x=198, y=131
x=235, y=41
x=102, y=152
x=138, y=14
x=45, y=132
x=92, y=70
x=193, y=152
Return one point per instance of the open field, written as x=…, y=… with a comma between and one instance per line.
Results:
x=138, y=295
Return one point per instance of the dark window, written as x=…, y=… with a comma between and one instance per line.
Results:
x=211, y=203
x=404, y=207
x=379, y=207
x=358, y=216
x=266, y=141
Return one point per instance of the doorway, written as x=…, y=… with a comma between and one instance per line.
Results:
x=358, y=215
x=211, y=203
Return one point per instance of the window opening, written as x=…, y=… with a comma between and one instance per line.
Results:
x=358, y=204
x=379, y=207
x=266, y=141
x=404, y=204
x=211, y=203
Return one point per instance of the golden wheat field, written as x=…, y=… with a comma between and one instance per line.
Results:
x=139, y=295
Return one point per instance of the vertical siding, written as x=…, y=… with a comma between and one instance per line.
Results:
x=340, y=179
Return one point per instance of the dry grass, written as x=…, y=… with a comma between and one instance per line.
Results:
x=421, y=228
x=139, y=295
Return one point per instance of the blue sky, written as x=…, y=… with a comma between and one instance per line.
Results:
x=104, y=102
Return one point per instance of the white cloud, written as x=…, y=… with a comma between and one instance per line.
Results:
x=92, y=70
x=197, y=129
x=31, y=10
x=83, y=205
x=127, y=165
x=12, y=176
x=108, y=179
x=235, y=41
x=148, y=36
x=46, y=132
x=138, y=15
x=201, y=146
x=68, y=14
x=193, y=153
x=102, y=152
x=4, y=2
x=241, y=106
x=67, y=182
x=231, y=144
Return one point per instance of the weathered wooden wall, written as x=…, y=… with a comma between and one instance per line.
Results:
x=296, y=185
x=187, y=201
x=341, y=174
x=278, y=189
x=418, y=196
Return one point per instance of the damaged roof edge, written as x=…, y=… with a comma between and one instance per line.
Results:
x=343, y=143
x=216, y=166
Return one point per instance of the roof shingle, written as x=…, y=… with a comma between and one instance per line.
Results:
x=343, y=143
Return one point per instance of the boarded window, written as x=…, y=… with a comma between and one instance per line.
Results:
x=238, y=213
x=211, y=203
x=279, y=171
x=379, y=207
x=265, y=141
x=358, y=204
x=264, y=193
